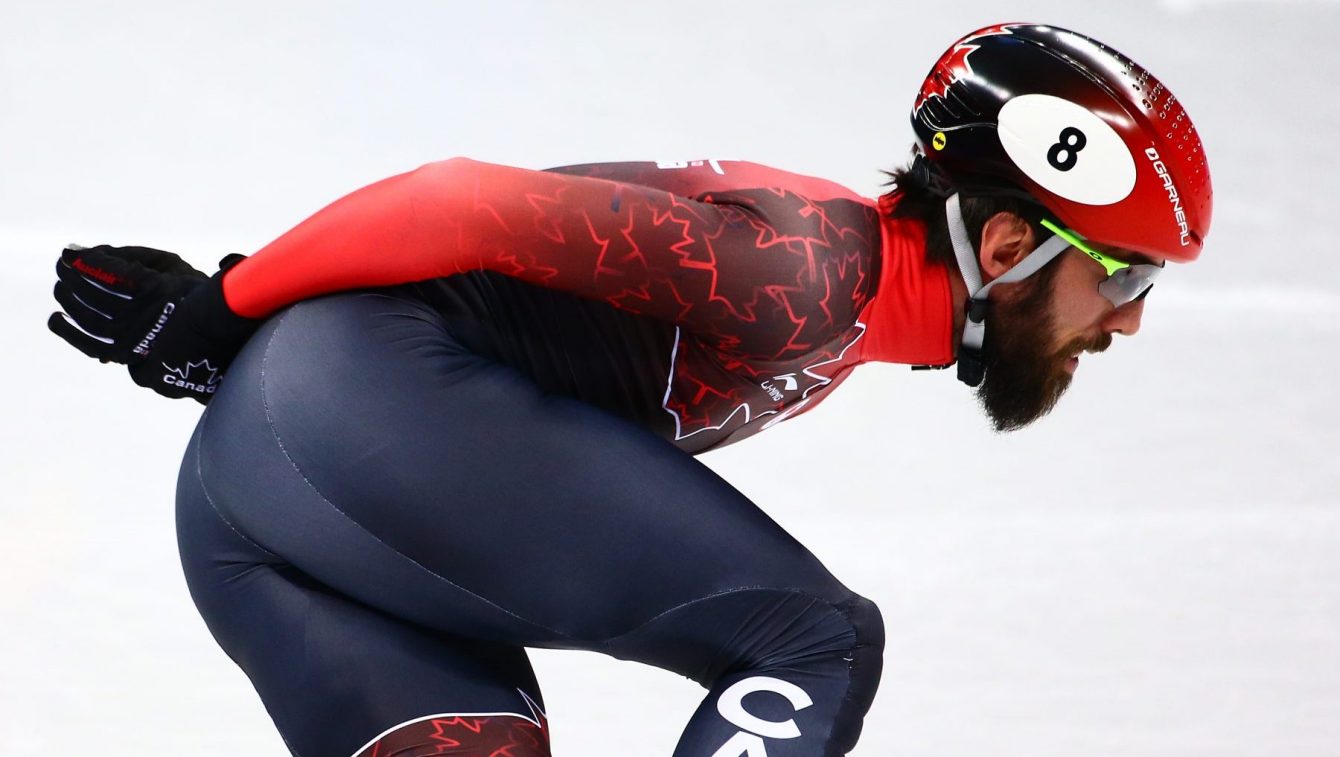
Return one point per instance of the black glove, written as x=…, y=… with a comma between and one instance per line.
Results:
x=152, y=311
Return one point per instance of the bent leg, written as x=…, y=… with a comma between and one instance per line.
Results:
x=359, y=440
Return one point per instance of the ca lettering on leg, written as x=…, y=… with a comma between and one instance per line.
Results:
x=749, y=741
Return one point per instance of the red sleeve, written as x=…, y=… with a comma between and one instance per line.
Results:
x=723, y=265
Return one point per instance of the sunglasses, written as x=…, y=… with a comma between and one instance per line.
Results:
x=1125, y=282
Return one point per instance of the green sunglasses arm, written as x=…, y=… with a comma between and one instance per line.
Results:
x=1109, y=263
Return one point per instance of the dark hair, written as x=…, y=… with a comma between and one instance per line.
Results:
x=917, y=201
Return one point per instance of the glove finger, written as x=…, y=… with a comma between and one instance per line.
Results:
x=93, y=346
x=105, y=272
x=87, y=316
x=157, y=260
x=94, y=294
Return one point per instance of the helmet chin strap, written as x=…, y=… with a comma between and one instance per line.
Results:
x=971, y=362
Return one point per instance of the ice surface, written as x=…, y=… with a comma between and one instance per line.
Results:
x=1153, y=570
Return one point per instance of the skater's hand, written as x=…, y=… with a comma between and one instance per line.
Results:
x=151, y=311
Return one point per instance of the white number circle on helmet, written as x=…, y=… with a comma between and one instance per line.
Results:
x=1067, y=150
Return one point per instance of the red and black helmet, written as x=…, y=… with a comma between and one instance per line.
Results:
x=1075, y=126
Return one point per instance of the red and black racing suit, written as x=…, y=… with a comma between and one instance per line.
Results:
x=399, y=488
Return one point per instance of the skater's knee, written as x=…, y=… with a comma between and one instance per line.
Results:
x=850, y=630
x=757, y=630
x=866, y=621
x=865, y=664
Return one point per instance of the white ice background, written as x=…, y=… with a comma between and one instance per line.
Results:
x=1152, y=570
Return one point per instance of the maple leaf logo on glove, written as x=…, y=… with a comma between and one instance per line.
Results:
x=199, y=377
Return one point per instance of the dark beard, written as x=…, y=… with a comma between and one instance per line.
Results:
x=1025, y=373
